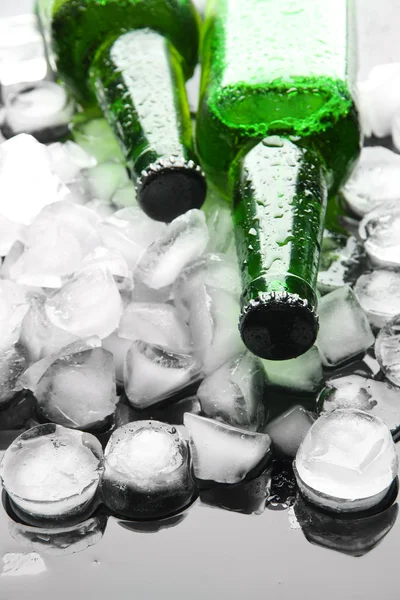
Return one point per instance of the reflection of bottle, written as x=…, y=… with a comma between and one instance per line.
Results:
x=133, y=57
x=270, y=69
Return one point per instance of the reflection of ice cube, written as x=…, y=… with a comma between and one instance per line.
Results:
x=387, y=350
x=157, y=324
x=301, y=374
x=146, y=471
x=289, y=429
x=347, y=461
x=153, y=374
x=22, y=198
x=344, y=329
x=376, y=180
x=223, y=453
x=50, y=471
x=88, y=304
x=184, y=239
x=378, y=99
x=364, y=393
x=379, y=295
x=235, y=393
x=78, y=390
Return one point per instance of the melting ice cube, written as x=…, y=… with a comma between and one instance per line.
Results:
x=289, y=429
x=387, y=350
x=379, y=295
x=301, y=374
x=347, y=461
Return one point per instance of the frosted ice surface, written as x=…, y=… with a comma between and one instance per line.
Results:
x=14, y=304
x=344, y=329
x=289, y=429
x=213, y=326
x=88, y=304
x=153, y=374
x=68, y=159
x=235, y=393
x=104, y=179
x=364, y=393
x=51, y=471
x=32, y=375
x=16, y=564
x=342, y=261
x=302, y=374
x=347, y=460
x=23, y=197
x=33, y=108
x=379, y=295
x=380, y=231
x=213, y=270
x=387, y=350
x=158, y=324
x=375, y=180
x=184, y=239
x=78, y=390
x=378, y=99
x=135, y=225
x=223, y=453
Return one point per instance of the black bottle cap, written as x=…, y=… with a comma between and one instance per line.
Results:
x=278, y=326
x=166, y=193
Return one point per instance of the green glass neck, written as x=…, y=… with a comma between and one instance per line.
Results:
x=279, y=210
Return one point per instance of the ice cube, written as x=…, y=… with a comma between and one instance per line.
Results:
x=213, y=270
x=354, y=537
x=38, y=335
x=375, y=180
x=219, y=221
x=135, y=225
x=213, y=326
x=110, y=259
x=364, y=393
x=184, y=239
x=301, y=374
x=88, y=304
x=33, y=374
x=289, y=430
x=10, y=233
x=16, y=250
x=14, y=304
x=115, y=238
x=347, y=461
x=95, y=136
x=78, y=390
x=235, y=393
x=51, y=472
x=12, y=365
x=68, y=160
x=387, y=350
x=342, y=261
x=157, y=324
x=153, y=374
x=380, y=231
x=22, y=197
x=42, y=109
x=104, y=179
x=146, y=471
x=118, y=347
x=379, y=295
x=62, y=540
x=101, y=208
x=223, y=453
x=142, y=293
x=378, y=99
x=171, y=413
x=125, y=196
x=344, y=329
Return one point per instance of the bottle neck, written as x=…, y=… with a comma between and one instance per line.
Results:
x=279, y=210
x=139, y=84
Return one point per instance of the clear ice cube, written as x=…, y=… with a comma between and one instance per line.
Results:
x=184, y=239
x=235, y=393
x=344, y=329
x=387, y=350
x=118, y=347
x=146, y=471
x=347, y=461
x=364, y=393
x=375, y=180
x=104, y=179
x=51, y=472
x=379, y=295
x=152, y=373
x=78, y=390
x=135, y=225
x=289, y=430
x=380, y=232
x=301, y=374
x=88, y=304
x=223, y=453
x=68, y=160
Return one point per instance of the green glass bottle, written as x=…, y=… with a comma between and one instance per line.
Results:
x=277, y=134
x=133, y=57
